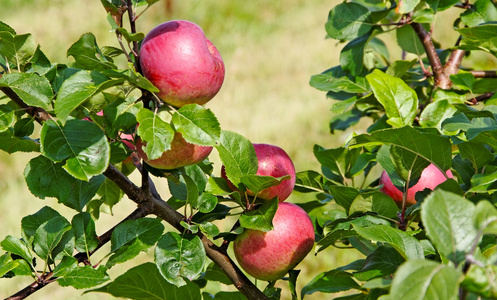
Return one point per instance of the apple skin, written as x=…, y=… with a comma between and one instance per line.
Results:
x=182, y=63
x=429, y=179
x=270, y=255
x=273, y=161
x=180, y=154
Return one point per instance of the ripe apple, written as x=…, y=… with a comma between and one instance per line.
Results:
x=270, y=255
x=273, y=161
x=182, y=63
x=429, y=179
x=181, y=154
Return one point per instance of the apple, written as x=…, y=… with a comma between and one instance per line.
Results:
x=429, y=179
x=270, y=255
x=182, y=63
x=273, y=161
x=180, y=154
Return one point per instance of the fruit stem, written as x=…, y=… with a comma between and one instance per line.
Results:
x=402, y=220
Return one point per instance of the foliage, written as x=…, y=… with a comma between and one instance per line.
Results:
x=423, y=110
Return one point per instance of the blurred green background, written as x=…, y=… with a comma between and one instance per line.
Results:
x=270, y=50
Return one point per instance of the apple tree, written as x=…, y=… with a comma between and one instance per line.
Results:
x=108, y=113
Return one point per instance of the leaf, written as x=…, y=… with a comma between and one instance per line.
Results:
x=237, y=155
x=18, y=247
x=205, y=203
x=147, y=230
x=424, y=279
x=400, y=67
x=435, y=113
x=11, y=143
x=209, y=229
x=78, y=88
x=408, y=246
x=16, y=50
x=30, y=223
x=311, y=181
x=447, y=218
x=464, y=81
x=398, y=99
x=440, y=5
x=197, y=124
x=382, y=262
x=406, y=7
x=82, y=143
x=178, y=258
x=48, y=235
x=348, y=21
x=336, y=80
x=409, y=41
x=7, y=117
x=376, y=202
x=84, y=230
x=258, y=183
x=48, y=179
x=480, y=281
x=34, y=90
x=260, y=219
x=476, y=153
x=157, y=134
x=434, y=148
x=88, y=55
x=144, y=282
x=84, y=277
x=7, y=264
x=333, y=281
x=485, y=218
x=344, y=195
x=352, y=55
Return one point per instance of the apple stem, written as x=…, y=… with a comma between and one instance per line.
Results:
x=402, y=220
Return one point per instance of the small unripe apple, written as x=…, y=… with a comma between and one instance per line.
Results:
x=272, y=161
x=180, y=154
x=429, y=179
x=270, y=255
x=182, y=63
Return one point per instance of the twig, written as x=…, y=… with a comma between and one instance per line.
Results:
x=82, y=257
x=38, y=113
x=484, y=74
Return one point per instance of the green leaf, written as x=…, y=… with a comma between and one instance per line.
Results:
x=48, y=235
x=144, y=282
x=237, y=155
x=336, y=80
x=11, y=143
x=376, y=202
x=405, y=7
x=24, y=127
x=398, y=99
x=197, y=124
x=30, y=223
x=215, y=273
x=16, y=50
x=178, y=258
x=311, y=181
x=447, y=218
x=48, y=179
x=82, y=143
x=408, y=246
x=34, y=90
x=333, y=281
x=205, y=203
x=257, y=183
x=261, y=218
x=463, y=80
x=440, y=5
x=476, y=153
x=17, y=246
x=209, y=229
x=7, y=264
x=79, y=88
x=84, y=231
x=67, y=264
x=147, y=230
x=88, y=55
x=7, y=117
x=412, y=140
x=352, y=55
x=480, y=281
x=424, y=279
x=382, y=262
x=435, y=113
x=344, y=195
x=84, y=277
x=485, y=218
x=157, y=133
x=348, y=21
x=400, y=67
x=110, y=194
x=409, y=41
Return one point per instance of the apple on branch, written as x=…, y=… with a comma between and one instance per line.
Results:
x=429, y=179
x=272, y=161
x=179, y=155
x=270, y=255
x=182, y=63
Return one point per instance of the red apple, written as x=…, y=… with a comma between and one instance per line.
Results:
x=182, y=63
x=270, y=255
x=273, y=161
x=181, y=154
x=429, y=179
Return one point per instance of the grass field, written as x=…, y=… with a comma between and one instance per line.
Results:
x=270, y=49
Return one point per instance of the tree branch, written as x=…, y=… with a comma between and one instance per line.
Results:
x=484, y=74
x=82, y=257
x=441, y=79
x=38, y=113
x=161, y=209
